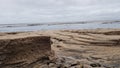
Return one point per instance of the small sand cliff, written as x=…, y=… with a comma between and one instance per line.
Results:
x=21, y=52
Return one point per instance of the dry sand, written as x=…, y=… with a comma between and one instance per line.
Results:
x=99, y=48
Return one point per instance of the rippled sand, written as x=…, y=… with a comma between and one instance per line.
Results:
x=97, y=46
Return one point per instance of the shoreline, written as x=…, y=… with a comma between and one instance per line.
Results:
x=34, y=27
x=83, y=30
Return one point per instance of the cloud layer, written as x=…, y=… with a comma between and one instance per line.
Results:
x=39, y=11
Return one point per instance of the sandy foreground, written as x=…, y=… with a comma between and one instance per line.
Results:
x=99, y=48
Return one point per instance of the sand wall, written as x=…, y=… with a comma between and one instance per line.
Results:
x=24, y=51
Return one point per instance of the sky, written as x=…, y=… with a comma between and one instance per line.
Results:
x=41, y=11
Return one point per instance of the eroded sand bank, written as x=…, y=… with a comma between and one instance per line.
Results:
x=91, y=48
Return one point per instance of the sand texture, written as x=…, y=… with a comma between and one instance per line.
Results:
x=95, y=48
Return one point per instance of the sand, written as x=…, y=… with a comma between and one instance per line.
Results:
x=91, y=48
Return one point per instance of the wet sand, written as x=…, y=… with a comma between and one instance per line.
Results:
x=92, y=48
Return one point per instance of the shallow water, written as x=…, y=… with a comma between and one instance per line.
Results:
x=25, y=27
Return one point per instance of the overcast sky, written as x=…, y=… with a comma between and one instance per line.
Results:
x=39, y=11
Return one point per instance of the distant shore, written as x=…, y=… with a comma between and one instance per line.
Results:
x=57, y=26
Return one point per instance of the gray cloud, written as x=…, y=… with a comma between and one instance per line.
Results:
x=38, y=11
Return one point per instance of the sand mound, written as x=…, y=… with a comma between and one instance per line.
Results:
x=22, y=52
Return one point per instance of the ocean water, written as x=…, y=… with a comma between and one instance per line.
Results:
x=26, y=27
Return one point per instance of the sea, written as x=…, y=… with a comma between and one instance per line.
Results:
x=56, y=26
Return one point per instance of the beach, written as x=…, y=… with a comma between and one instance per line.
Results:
x=90, y=47
x=59, y=33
